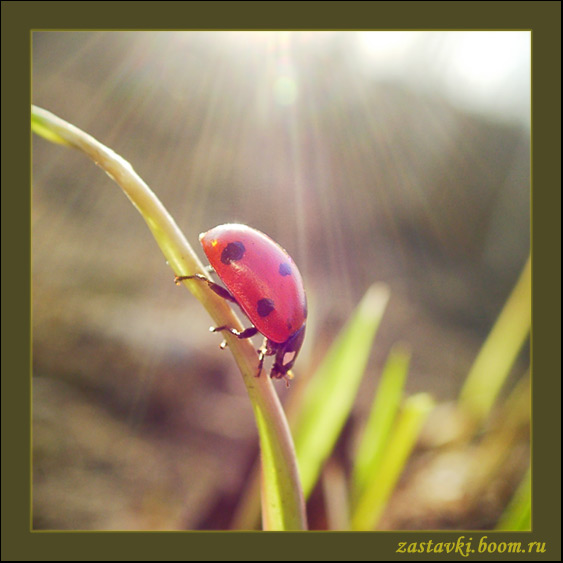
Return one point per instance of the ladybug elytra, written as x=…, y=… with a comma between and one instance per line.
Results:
x=263, y=280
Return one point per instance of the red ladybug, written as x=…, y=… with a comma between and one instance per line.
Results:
x=264, y=281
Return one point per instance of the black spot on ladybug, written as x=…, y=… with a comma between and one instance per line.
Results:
x=233, y=252
x=265, y=307
x=285, y=269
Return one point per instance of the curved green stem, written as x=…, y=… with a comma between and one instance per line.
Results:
x=282, y=497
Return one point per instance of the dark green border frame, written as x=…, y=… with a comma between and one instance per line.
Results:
x=19, y=18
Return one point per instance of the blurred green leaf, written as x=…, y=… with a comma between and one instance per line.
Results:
x=496, y=357
x=401, y=442
x=329, y=395
x=517, y=516
x=386, y=403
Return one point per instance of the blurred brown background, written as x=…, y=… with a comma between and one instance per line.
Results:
x=393, y=157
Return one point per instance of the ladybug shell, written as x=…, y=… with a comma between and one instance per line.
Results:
x=261, y=276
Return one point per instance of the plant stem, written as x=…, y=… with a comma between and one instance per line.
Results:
x=283, y=503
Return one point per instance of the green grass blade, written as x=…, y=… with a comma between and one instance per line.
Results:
x=517, y=516
x=284, y=507
x=41, y=126
x=330, y=394
x=401, y=442
x=382, y=415
x=496, y=357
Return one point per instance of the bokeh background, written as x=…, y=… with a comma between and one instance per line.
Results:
x=370, y=156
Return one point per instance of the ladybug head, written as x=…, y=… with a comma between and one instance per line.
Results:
x=286, y=354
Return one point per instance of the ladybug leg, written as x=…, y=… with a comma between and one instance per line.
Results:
x=247, y=333
x=225, y=294
x=218, y=289
x=268, y=348
x=263, y=351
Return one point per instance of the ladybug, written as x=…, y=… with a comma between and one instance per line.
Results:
x=262, y=279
